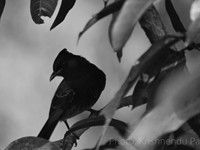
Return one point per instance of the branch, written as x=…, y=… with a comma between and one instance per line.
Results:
x=152, y=25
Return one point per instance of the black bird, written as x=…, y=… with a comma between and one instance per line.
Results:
x=79, y=90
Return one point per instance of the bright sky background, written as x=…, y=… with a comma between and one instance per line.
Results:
x=27, y=52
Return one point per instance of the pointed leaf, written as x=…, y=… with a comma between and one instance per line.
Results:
x=114, y=17
x=120, y=126
x=130, y=13
x=65, y=7
x=105, y=2
x=42, y=8
x=103, y=13
x=177, y=101
x=2, y=5
x=175, y=20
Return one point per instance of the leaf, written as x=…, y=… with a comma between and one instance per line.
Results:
x=129, y=15
x=65, y=7
x=103, y=13
x=140, y=95
x=42, y=8
x=114, y=17
x=194, y=10
x=175, y=20
x=175, y=66
x=2, y=5
x=178, y=100
x=31, y=143
x=105, y=2
x=193, y=31
x=194, y=27
x=120, y=126
x=144, y=62
x=195, y=123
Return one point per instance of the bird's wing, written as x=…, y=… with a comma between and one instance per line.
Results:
x=63, y=97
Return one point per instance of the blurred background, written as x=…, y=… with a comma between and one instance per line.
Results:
x=27, y=52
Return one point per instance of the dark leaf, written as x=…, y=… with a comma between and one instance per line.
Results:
x=194, y=122
x=119, y=55
x=105, y=2
x=2, y=5
x=140, y=95
x=175, y=20
x=42, y=8
x=65, y=7
x=103, y=13
x=120, y=126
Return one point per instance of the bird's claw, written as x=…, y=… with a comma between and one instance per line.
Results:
x=74, y=141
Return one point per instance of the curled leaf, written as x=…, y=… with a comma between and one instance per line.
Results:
x=42, y=8
x=129, y=15
x=65, y=7
x=103, y=13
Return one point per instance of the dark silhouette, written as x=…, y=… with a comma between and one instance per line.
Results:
x=79, y=90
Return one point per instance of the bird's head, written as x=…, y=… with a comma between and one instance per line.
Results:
x=60, y=63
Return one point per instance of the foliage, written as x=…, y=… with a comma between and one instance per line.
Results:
x=161, y=78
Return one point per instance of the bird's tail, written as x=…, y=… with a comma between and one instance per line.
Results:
x=48, y=128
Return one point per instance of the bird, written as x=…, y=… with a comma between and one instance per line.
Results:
x=81, y=87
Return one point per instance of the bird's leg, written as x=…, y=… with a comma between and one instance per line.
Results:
x=75, y=136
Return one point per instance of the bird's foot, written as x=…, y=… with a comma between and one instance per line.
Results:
x=73, y=140
x=74, y=136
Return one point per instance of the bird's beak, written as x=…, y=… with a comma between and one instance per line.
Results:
x=54, y=74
